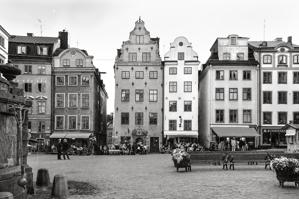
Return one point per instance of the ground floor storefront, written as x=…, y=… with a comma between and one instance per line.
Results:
x=273, y=137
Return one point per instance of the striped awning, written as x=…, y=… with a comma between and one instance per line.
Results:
x=235, y=132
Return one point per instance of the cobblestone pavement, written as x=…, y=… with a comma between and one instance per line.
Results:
x=153, y=176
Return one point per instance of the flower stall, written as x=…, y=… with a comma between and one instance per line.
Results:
x=287, y=170
x=181, y=159
x=292, y=137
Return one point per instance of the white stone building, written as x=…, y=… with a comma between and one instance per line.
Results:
x=4, y=35
x=181, y=67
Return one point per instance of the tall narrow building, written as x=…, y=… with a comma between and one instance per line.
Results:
x=139, y=90
x=279, y=89
x=229, y=93
x=181, y=67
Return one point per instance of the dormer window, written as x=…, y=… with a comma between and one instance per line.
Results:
x=240, y=56
x=181, y=56
x=22, y=50
x=226, y=56
x=139, y=39
x=233, y=40
x=267, y=59
x=282, y=59
x=79, y=62
x=42, y=50
x=66, y=62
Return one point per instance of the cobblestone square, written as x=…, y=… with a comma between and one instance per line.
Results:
x=154, y=176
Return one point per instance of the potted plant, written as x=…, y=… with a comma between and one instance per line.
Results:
x=181, y=159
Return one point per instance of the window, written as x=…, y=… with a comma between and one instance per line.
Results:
x=153, y=74
x=219, y=93
x=172, y=106
x=85, y=81
x=187, y=106
x=28, y=87
x=153, y=95
x=2, y=42
x=233, y=40
x=42, y=50
x=233, y=116
x=59, y=122
x=72, y=122
x=1, y=61
x=41, y=70
x=125, y=74
x=219, y=74
x=187, y=125
x=124, y=118
x=282, y=117
x=79, y=62
x=22, y=50
x=125, y=95
x=85, y=100
x=146, y=57
x=246, y=93
x=132, y=57
x=60, y=81
x=267, y=117
x=187, y=86
x=172, y=125
x=28, y=69
x=153, y=118
x=219, y=116
x=246, y=75
x=267, y=97
x=181, y=56
x=233, y=94
x=233, y=75
x=187, y=70
x=139, y=95
x=172, y=87
x=296, y=117
x=296, y=97
x=59, y=100
x=240, y=56
x=41, y=87
x=296, y=78
x=29, y=126
x=172, y=70
x=73, y=81
x=66, y=63
x=85, y=122
x=282, y=59
x=139, y=75
x=139, y=118
x=267, y=59
x=267, y=77
x=296, y=59
x=139, y=39
x=41, y=107
x=73, y=101
x=282, y=77
x=226, y=56
x=282, y=97
x=246, y=116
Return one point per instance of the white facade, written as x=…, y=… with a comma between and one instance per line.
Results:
x=181, y=67
x=3, y=45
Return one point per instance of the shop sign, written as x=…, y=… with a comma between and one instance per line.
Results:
x=274, y=130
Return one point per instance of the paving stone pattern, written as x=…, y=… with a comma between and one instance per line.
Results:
x=153, y=176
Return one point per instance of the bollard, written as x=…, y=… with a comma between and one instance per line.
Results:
x=6, y=195
x=60, y=187
x=42, y=178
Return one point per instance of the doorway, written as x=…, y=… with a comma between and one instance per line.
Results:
x=154, y=145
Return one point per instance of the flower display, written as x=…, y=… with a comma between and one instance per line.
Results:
x=179, y=155
x=284, y=164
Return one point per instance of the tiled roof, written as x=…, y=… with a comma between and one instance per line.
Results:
x=270, y=44
x=33, y=39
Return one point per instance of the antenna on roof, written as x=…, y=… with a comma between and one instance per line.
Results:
x=41, y=26
x=264, y=30
x=77, y=43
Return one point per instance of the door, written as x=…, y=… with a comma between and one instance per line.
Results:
x=154, y=144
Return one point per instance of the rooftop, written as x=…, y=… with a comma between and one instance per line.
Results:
x=33, y=39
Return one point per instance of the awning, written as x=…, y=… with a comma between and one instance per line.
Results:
x=235, y=132
x=71, y=135
x=181, y=134
x=290, y=132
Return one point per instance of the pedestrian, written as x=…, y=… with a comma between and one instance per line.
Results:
x=234, y=144
x=65, y=148
x=59, y=148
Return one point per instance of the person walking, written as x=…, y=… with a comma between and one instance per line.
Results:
x=65, y=148
x=234, y=144
x=59, y=148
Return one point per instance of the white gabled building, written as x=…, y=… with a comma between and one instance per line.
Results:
x=181, y=67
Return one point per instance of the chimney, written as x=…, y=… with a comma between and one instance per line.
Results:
x=278, y=39
x=290, y=39
x=63, y=36
x=29, y=34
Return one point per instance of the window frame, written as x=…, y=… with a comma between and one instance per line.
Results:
x=187, y=106
x=296, y=59
x=279, y=81
x=242, y=57
x=170, y=107
x=81, y=123
x=181, y=56
x=66, y=63
x=140, y=99
x=233, y=75
x=267, y=112
x=41, y=52
x=68, y=119
x=137, y=118
x=220, y=72
x=41, y=106
x=236, y=116
x=72, y=76
x=21, y=50
x=27, y=69
x=247, y=116
x=153, y=95
x=132, y=56
x=245, y=75
x=226, y=56
x=187, y=70
x=151, y=118
x=187, y=86
x=146, y=57
x=173, y=87
x=57, y=81
x=77, y=101
x=28, y=87
x=295, y=93
x=267, y=59
x=267, y=78
x=296, y=77
x=153, y=74
x=56, y=94
x=233, y=96
x=63, y=122
x=218, y=94
x=282, y=60
x=79, y=63
x=173, y=70
x=122, y=121
x=139, y=74
x=244, y=94
x=218, y=118
x=279, y=97
x=125, y=74
x=172, y=125
x=187, y=123
x=286, y=117
x=126, y=93
x=269, y=93
x=82, y=105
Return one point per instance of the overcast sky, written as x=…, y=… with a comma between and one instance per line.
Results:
x=100, y=26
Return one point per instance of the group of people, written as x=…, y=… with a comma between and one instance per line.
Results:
x=187, y=146
x=62, y=149
x=233, y=144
